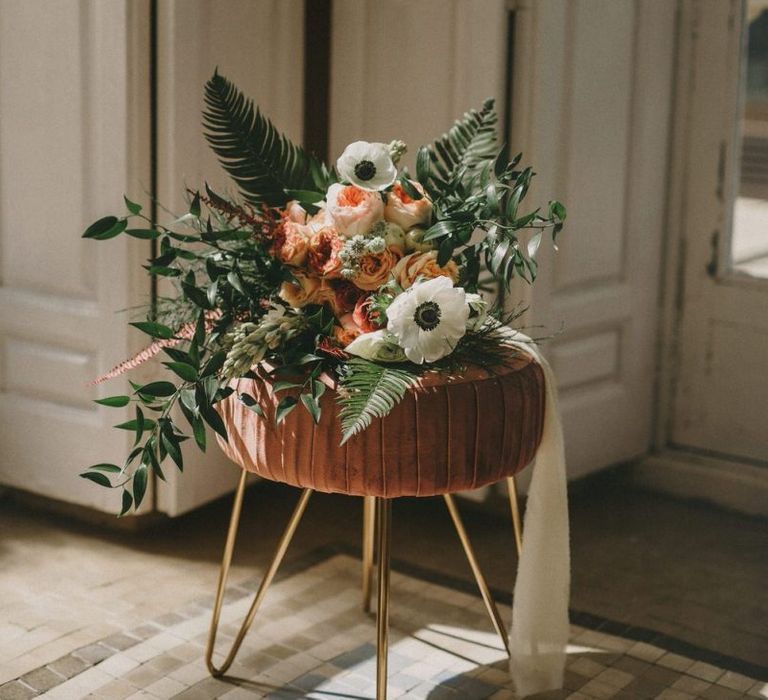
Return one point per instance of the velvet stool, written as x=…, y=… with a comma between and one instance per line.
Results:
x=449, y=434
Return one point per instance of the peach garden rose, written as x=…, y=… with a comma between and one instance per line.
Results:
x=424, y=266
x=353, y=210
x=306, y=290
x=292, y=245
x=406, y=212
x=375, y=268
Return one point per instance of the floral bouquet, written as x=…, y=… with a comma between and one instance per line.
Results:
x=362, y=271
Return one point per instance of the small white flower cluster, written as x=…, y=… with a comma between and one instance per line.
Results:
x=380, y=236
x=250, y=341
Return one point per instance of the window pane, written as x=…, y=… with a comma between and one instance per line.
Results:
x=750, y=221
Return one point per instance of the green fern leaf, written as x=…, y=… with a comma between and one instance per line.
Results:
x=262, y=161
x=469, y=143
x=369, y=391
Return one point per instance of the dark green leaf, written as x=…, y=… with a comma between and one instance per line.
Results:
x=156, y=330
x=133, y=424
x=114, y=401
x=444, y=252
x=139, y=484
x=312, y=405
x=286, y=405
x=98, y=478
x=109, y=468
x=100, y=227
x=186, y=371
x=194, y=207
x=252, y=404
x=158, y=389
x=127, y=502
x=132, y=206
x=143, y=233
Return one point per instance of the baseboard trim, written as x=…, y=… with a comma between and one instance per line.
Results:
x=733, y=485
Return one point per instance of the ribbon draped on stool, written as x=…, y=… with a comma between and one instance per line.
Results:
x=540, y=626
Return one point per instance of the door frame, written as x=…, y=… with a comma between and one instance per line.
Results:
x=680, y=470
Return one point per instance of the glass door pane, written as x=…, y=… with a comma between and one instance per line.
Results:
x=749, y=240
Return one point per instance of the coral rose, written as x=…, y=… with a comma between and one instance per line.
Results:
x=347, y=331
x=424, y=266
x=375, y=268
x=405, y=211
x=352, y=210
x=306, y=290
x=323, y=256
x=292, y=243
x=364, y=316
x=345, y=297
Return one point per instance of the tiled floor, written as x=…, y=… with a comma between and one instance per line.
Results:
x=684, y=570
x=313, y=641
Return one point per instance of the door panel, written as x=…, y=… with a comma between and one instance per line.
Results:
x=70, y=116
x=594, y=83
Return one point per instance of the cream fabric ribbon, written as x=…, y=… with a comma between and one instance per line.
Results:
x=540, y=626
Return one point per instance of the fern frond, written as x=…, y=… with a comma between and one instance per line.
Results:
x=469, y=143
x=263, y=162
x=369, y=391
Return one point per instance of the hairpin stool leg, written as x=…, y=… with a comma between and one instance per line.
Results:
x=490, y=604
x=514, y=505
x=369, y=534
x=383, y=528
x=266, y=581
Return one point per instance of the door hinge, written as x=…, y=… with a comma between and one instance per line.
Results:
x=714, y=243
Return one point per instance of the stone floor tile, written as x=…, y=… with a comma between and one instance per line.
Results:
x=689, y=684
x=42, y=679
x=705, y=671
x=675, y=662
x=68, y=666
x=16, y=690
x=735, y=681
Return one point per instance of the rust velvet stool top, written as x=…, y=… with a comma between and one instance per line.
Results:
x=449, y=433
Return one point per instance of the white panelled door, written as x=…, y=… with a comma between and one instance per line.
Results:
x=592, y=112
x=72, y=107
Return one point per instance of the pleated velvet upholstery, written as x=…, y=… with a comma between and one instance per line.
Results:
x=448, y=434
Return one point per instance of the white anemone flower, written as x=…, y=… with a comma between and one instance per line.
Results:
x=369, y=166
x=429, y=319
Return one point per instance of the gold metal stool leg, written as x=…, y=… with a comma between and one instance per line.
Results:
x=369, y=534
x=277, y=558
x=516, y=522
x=493, y=611
x=384, y=529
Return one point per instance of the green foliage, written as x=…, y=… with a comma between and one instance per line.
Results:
x=263, y=162
x=367, y=391
x=473, y=187
x=469, y=144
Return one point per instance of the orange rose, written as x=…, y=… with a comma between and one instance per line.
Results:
x=405, y=211
x=292, y=244
x=345, y=296
x=353, y=210
x=375, y=268
x=366, y=318
x=306, y=290
x=324, y=247
x=423, y=265
x=347, y=331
